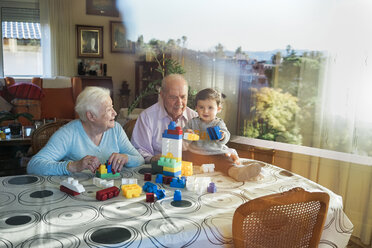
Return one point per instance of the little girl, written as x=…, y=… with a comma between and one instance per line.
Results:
x=207, y=150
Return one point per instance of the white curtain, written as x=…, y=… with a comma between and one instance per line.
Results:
x=57, y=29
x=344, y=114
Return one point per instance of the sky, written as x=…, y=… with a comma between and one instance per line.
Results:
x=255, y=25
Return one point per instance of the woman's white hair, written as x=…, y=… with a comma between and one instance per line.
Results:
x=90, y=99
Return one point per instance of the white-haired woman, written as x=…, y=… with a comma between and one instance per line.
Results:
x=87, y=142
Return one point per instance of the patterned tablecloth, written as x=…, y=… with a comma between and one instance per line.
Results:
x=35, y=213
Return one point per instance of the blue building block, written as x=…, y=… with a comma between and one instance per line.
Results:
x=159, y=178
x=172, y=174
x=109, y=168
x=178, y=182
x=171, y=136
x=160, y=194
x=150, y=187
x=214, y=133
x=212, y=188
x=177, y=195
x=172, y=125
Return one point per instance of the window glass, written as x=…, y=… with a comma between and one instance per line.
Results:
x=292, y=71
x=22, y=53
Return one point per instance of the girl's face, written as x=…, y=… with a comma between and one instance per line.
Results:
x=207, y=109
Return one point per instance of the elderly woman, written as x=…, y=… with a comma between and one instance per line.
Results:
x=88, y=142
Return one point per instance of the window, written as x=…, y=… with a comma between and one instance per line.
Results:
x=21, y=42
x=293, y=71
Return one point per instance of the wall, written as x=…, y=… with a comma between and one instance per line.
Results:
x=120, y=66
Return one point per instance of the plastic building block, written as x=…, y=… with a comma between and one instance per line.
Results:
x=176, y=131
x=147, y=177
x=186, y=168
x=167, y=179
x=150, y=187
x=171, y=136
x=177, y=195
x=68, y=191
x=168, y=162
x=104, y=194
x=214, y=133
x=170, y=156
x=73, y=185
x=150, y=197
x=198, y=184
x=172, y=125
x=129, y=181
x=105, y=171
x=172, y=174
x=160, y=194
x=103, y=183
x=191, y=136
x=178, y=182
x=207, y=168
x=172, y=169
x=131, y=190
x=107, y=175
x=159, y=178
x=212, y=188
x=155, y=168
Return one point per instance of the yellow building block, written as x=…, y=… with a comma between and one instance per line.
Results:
x=170, y=169
x=187, y=169
x=170, y=155
x=131, y=190
x=191, y=136
x=102, y=169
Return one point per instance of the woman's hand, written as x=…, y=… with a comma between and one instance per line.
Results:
x=118, y=160
x=87, y=163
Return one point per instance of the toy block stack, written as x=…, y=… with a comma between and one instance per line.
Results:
x=171, y=158
x=105, y=171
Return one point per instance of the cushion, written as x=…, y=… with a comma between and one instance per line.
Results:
x=25, y=91
x=58, y=103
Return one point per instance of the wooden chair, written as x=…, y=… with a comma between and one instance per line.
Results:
x=128, y=127
x=266, y=155
x=40, y=136
x=294, y=218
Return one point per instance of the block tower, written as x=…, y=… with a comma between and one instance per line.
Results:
x=171, y=158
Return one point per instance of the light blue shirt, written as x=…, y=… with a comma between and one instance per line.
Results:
x=71, y=143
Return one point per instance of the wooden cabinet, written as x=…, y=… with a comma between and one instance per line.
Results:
x=145, y=73
x=105, y=82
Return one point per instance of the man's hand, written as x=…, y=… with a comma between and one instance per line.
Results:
x=87, y=163
x=155, y=158
x=118, y=160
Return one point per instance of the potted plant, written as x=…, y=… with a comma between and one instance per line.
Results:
x=15, y=126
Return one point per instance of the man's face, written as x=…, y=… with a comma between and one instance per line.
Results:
x=175, y=98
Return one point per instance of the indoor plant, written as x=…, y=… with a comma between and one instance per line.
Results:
x=15, y=126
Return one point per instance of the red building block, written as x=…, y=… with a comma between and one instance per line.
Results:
x=177, y=131
x=147, y=176
x=150, y=197
x=104, y=194
x=167, y=179
x=68, y=191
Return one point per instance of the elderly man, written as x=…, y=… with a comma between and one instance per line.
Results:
x=152, y=122
x=147, y=133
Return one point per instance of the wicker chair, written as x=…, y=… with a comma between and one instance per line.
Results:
x=128, y=127
x=40, y=136
x=294, y=218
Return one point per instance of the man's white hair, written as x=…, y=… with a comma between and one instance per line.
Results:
x=91, y=99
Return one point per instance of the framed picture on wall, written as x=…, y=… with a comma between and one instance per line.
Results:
x=102, y=7
x=89, y=41
x=118, y=38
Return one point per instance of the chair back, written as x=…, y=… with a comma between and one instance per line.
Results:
x=128, y=127
x=41, y=135
x=294, y=218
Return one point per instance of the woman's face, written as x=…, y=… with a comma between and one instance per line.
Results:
x=106, y=116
